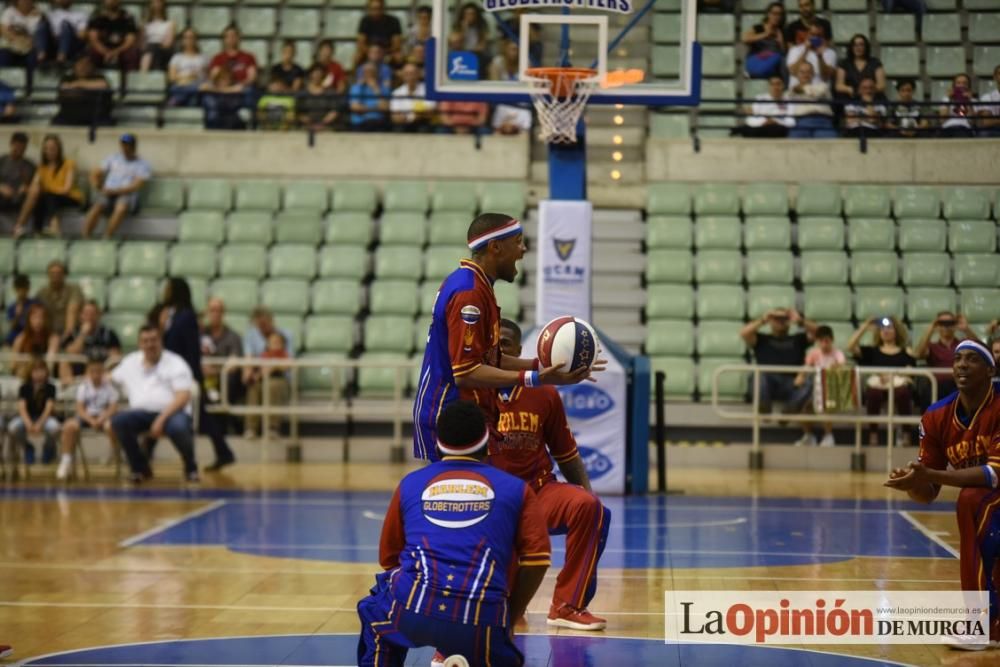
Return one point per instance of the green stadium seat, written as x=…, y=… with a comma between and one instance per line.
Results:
x=767, y=233
x=292, y=260
x=136, y=293
x=448, y=228
x=299, y=22
x=944, y=61
x=293, y=326
x=249, y=227
x=393, y=297
x=942, y=29
x=721, y=199
x=926, y=269
x=717, y=89
x=896, y=28
x=328, y=333
x=719, y=266
x=980, y=304
x=257, y=21
x=962, y=203
x=405, y=196
x=719, y=302
x=979, y=4
x=34, y=255
x=239, y=294
x=146, y=87
x=399, y=262
x=717, y=232
x=428, y=293
x=456, y=196
x=916, y=201
x=201, y=227
x=923, y=235
x=342, y=23
x=668, y=232
x=421, y=331
x=665, y=301
x=162, y=195
x=210, y=20
x=680, y=376
x=818, y=199
x=877, y=302
x=94, y=288
x=984, y=60
x=258, y=196
x=946, y=5
x=720, y=339
x=768, y=199
x=827, y=302
x=669, y=338
x=977, y=270
x=403, y=228
x=197, y=260
x=126, y=326
x=285, y=295
x=821, y=267
x=142, y=258
x=716, y=29
x=508, y=298
x=667, y=28
x=388, y=333
x=669, y=125
x=975, y=236
x=732, y=385
x=298, y=227
x=669, y=266
x=504, y=197
x=762, y=298
x=439, y=262
x=311, y=196
x=871, y=234
x=323, y=380
x=358, y=196
x=867, y=201
x=901, y=60
x=6, y=256
x=874, y=268
x=718, y=61
x=342, y=262
x=350, y=228
x=821, y=233
x=95, y=258
x=666, y=61
x=924, y=303
x=668, y=199
x=845, y=25
x=770, y=267
x=242, y=260
x=209, y=194
x=383, y=381
x=336, y=297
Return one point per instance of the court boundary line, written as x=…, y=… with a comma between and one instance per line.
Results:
x=929, y=534
x=171, y=523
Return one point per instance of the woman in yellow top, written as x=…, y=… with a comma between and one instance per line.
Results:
x=54, y=186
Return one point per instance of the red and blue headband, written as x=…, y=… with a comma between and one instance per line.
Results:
x=512, y=228
x=979, y=349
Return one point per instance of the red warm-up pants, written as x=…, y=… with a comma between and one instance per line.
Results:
x=978, y=512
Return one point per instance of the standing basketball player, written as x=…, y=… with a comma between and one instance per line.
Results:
x=462, y=358
x=962, y=431
x=533, y=423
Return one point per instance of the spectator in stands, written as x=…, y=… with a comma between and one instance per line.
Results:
x=8, y=109
x=261, y=326
x=888, y=349
x=17, y=312
x=779, y=348
x=824, y=355
x=859, y=64
x=369, y=102
x=471, y=29
x=506, y=64
x=410, y=111
x=18, y=24
x=335, y=78
x=62, y=35
x=222, y=98
x=186, y=71
x=463, y=117
x=771, y=113
x=36, y=339
x=158, y=35
x=53, y=187
x=419, y=31
x=113, y=38
x=36, y=402
x=916, y=7
x=278, y=390
x=157, y=384
x=509, y=119
x=62, y=300
x=765, y=44
x=377, y=27
x=117, y=183
x=84, y=96
x=512, y=29
x=376, y=58
x=96, y=404
x=90, y=338
x=16, y=174
x=276, y=107
x=813, y=115
x=286, y=72
x=989, y=122
x=958, y=108
x=865, y=114
x=816, y=52
x=941, y=353
x=906, y=118
x=218, y=340
x=798, y=31
x=317, y=105
x=240, y=65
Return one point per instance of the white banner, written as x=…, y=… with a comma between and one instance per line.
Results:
x=564, y=262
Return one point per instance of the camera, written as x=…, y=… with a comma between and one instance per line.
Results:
x=886, y=321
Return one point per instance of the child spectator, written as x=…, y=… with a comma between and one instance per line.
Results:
x=186, y=71
x=36, y=401
x=865, y=115
x=158, y=37
x=824, y=356
x=17, y=312
x=36, y=339
x=276, y=107
x=765, y=44
x=906, y=119
x=96, y=402
x=277, y=382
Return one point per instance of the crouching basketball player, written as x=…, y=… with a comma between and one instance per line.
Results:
x=963, y=431
x=448, y=542
x=533, y=422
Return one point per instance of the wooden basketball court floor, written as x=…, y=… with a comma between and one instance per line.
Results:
x=263, y=565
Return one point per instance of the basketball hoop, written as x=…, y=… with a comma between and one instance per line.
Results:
x=559, y=95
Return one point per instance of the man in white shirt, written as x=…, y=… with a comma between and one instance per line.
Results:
x=158, y=385
x=117, y=182
x=813, y=113
x=408, y=106
x=990, y=114
x=817, y=52
x=771, y=112
x=62, y=34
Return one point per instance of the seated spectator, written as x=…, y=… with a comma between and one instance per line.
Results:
x=278, y=388
x=8, y=108
x=261, y=326
x=771, y=113
x=464, y=117
x=186, y=71
x=369, y=102
x=18, y=24
x=317, y=106
x=824, y=355
x=36, y=339
x=509, y=119
x=16, y=174
x=817, y=53
x=62, y=300
x=472, y=32
x=240, y=65
x=218, y=340
x=419, y=31
x=17, y=312
x=506, y=64
x=335, y=79
x=96, y=404
x=888, y=349
x=157, y=384
x=941, y=353
x=85, y=96
x=90, y=339
x=117, y=184
x=62, y=35
x=158, y=34
x=512, y=29
x=798, y=31
x=276, y=107
x=113, y=37
x=286, y=72
x=906, y=118
x=411, y=112
x=53, y=187
x=916, y=7
x=865, y=114
x=813, y=115
x=765, y=44
x=377, y=27
x=958, y=109
x=376, y=58
x=859, y=64
x=36, y=402
x=989, y=121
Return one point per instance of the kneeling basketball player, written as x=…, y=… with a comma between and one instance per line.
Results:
x=962, y=431
x=533, y=422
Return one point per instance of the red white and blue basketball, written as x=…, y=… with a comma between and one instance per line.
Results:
x=569, y=341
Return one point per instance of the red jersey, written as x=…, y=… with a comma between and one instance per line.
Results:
x=950, y=437
x=239, y=64
x=534, y=423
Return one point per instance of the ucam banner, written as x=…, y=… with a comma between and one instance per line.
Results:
x=562, y=285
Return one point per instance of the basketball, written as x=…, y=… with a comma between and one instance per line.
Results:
x=568, y=340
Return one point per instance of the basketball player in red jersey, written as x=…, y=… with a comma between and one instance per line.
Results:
x=533, y=423
x=962, y=431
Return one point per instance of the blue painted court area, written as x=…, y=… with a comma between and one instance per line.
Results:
x=540, y=651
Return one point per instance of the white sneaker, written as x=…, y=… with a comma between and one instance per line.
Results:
x=827, y=441
x=64, y=469
x=807, y=440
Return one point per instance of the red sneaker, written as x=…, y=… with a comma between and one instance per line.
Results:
x=6, y=650
x=565, y=616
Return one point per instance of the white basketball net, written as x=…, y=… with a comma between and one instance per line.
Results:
x=558, y=116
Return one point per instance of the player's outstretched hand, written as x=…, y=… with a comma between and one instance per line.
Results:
x=557, y=376
x=906, y=478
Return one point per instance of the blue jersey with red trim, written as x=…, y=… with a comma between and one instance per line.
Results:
x=464, y=334
x=449, y=537
x=949, y=436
